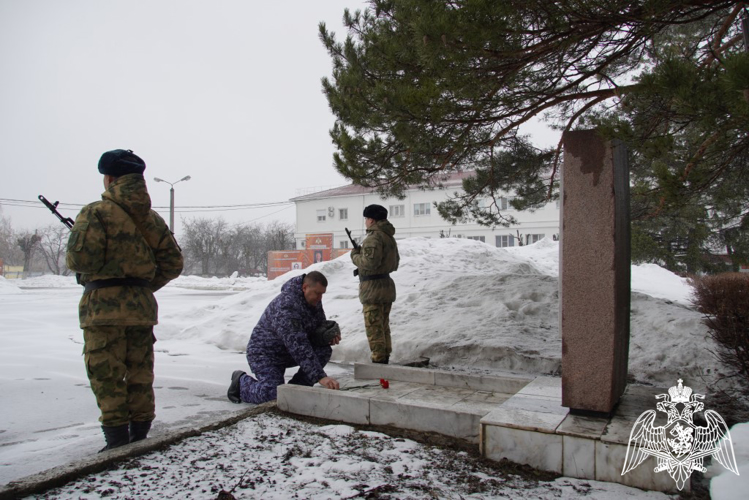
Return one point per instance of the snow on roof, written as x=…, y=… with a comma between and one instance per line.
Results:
x=453, y=179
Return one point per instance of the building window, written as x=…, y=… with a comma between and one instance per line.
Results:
x=482, y=239
x=506, y=240
x=343, y=215
x=504, y=203
x=532, y=238
x=397, y=211
x=421, y=209
x=321, y=215
x=344, y=244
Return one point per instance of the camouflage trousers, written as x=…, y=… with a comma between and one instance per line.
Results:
x=119, y=365
x=377, y=325
x=270, y=374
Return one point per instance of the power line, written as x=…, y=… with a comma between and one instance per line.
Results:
x=184, y=209
x=261, y=217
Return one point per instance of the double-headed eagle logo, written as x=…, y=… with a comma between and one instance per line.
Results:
x=680, y=446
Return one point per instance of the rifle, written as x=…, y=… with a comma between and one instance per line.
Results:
x=356, y=245
x=53, y=208
x=65, y=220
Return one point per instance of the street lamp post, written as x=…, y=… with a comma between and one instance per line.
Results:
x=171, y=198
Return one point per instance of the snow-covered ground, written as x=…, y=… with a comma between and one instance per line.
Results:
x=464, y=304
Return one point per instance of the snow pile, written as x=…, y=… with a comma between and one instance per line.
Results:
x=544, y=254
x=649, y=279
x=49, y=281
x=464, y=304
x=726, y=485
x=231, y=283
x=7, y=287
x=187, y=282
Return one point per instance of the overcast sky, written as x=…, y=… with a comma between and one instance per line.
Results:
x=226, y=91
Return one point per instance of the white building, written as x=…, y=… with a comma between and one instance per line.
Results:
x=333, y=210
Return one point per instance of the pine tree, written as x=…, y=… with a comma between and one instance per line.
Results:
x=421, y=89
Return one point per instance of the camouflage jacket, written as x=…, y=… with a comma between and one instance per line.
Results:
x=378, y=254
x=121, y=237
x=281, y=337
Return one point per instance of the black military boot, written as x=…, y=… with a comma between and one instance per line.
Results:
x=382, y=361
x=233, y=392
x=139, y=430
x=115, y=436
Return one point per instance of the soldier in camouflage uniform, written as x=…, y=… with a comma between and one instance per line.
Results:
x=123, y=252
x=375, y=259
x=287, y=335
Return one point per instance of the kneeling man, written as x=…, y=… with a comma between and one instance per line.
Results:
x=291, y=332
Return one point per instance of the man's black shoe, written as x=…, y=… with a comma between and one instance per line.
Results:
x=233, y=392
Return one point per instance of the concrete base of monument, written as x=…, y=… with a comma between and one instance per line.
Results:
x=513, y=417
x=416, y=398
x=533, y=427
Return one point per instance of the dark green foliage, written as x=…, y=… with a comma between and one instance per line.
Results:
x=422, y=89
x=687, y=124
x=724, y=300
x=514, y=168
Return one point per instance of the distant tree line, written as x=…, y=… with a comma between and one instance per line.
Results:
x=214, y=248
x=211, y=247
x=38, y=251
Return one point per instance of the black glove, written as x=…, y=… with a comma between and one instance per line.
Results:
x=325, y=333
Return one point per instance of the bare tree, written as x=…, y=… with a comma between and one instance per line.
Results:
x=28, y=244
x=53, y=246
x=202, y=238
x=214, y=248
x=251, y=247
x=279, y=236
x=9, y=251
x=227, y=258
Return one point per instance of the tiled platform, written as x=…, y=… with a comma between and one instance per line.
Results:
x=533, y=427
x=419, y=399
x=511, y=417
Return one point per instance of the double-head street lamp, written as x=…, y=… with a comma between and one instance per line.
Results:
x=171, y=198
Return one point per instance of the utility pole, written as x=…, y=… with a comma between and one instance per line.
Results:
x=171, y=198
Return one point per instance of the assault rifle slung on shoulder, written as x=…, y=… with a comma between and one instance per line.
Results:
x=353, y=242
x=53, y=208
x=65, y=220
x=356, y=247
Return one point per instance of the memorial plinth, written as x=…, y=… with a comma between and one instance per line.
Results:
x=594, y=272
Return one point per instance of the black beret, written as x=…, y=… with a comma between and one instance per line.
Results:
x=376, y=212
x=120, y=162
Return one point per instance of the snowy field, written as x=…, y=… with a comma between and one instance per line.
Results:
x=464, y=304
